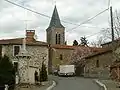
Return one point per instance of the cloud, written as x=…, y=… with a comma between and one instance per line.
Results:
x=13, y=24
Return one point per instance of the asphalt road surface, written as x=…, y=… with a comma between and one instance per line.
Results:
x=74, y=83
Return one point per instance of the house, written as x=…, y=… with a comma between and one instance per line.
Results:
x=115, y=67
x=98, y=64
x=37, y=51
x=112, y=44
x=115, y=71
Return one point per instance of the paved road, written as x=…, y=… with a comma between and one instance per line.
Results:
x=74, y=83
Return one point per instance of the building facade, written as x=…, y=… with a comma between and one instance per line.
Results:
x=37, y=50
x=59, y=55
x=98, y=64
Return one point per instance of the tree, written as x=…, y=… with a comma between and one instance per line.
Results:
x=7, y=72
x=75, y=43
x=43, y=73
x=78, y=59
x=106, y=33
x=84, y=41
x=97, y=43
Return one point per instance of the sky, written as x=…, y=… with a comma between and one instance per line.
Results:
x=15, y=20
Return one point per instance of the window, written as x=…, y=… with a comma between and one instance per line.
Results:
x=61, y=57
x=16, y=50
x=58, y=38
x=97, y=63
x=16, y=66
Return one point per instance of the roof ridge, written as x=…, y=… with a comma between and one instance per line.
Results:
x=11, y=39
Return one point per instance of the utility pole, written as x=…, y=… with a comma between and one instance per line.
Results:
x=112, y=30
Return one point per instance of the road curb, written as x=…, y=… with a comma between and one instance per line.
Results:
x=101, y=84
x=52, y=86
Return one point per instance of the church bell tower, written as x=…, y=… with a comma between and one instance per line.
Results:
x=55, y=31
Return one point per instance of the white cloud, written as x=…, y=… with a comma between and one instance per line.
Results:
x=12, y=18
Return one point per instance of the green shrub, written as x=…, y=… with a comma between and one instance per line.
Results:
x=43, y=73
x=7, y=72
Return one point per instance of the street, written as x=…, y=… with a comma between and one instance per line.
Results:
x=74, y=83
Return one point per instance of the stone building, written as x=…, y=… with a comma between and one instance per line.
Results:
x=55, y=31
x=37, y=50
x=59, y=52
x=59, y=55
x=98, y=64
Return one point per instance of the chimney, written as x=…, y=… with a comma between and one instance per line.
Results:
x=30, y=35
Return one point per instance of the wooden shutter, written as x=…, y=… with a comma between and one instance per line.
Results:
x=59, y=39
x=16, y=50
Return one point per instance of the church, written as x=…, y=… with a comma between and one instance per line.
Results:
x=59, y=52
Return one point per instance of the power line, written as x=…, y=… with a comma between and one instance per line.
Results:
x=37, y=12
x=49, y=16
x=28, y=9
x=90, y=19
x=93, y=34
x=61, y=20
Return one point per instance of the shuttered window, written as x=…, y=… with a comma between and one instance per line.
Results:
x=61, y=57
x=16, y=66
x=97, y=63
x=58, y=38
x=16, y=50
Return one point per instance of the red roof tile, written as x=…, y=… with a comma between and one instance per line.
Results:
x=20, y=41
x=62, y=46
x=99, y=52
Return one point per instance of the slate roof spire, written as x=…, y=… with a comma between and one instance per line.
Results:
x=55, y=20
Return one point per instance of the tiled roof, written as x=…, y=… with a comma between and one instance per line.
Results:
x=93, y=49
x=20, y=41
x=63, y=47
x=99, y=52
x=55, y=20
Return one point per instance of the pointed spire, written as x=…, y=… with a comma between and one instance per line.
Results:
x=55, y=20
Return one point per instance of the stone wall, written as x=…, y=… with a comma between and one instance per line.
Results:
x=102, y=69
x=38, y=54
x=55, y=57
x=51, y=35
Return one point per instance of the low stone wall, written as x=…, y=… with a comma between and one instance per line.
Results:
x=97, y=75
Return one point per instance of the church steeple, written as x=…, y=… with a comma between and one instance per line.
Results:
x=55, y=31
x=55, y=20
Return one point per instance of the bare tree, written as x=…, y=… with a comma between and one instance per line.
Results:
x=106, y=33
x=97, y=43
x=78, y=55
x=78, y=59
